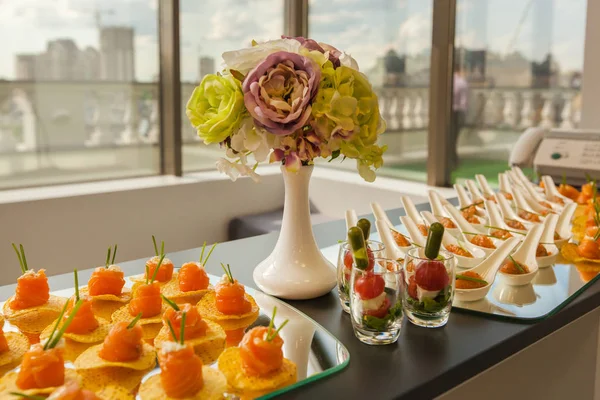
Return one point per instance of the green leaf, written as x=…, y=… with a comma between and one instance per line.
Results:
x=27, y=396
x=381, y=324
x=237, y=75
x=334, y=155
x=254, y=43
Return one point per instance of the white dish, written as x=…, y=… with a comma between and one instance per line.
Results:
x=468, y=231
x=547, y=240
x=437, y=201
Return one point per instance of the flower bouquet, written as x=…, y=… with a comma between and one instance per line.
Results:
x=291, y=101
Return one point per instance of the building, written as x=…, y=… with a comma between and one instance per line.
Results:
x=25, y=67
x=117, y=54
x=62, y=57
x=89, y=68
x=207, y=66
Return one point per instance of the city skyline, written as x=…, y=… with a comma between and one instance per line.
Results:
x=365, y=32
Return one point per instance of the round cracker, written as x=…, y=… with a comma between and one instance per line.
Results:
x=208, y=309
x=230, y=364
x=90, y=359
x=34, y=319
x=208, y=347
x=569, y=252
x=18, y=344
x=113, y=392
x=215, y=385
x=9, y=384
x=97, y=335
x=105, y=308
x=125, y=379
x=171, y=291
x=124, y=297
x=73, y=349
x=123, y=315
x=149, y=331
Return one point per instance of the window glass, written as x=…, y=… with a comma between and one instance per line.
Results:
x=518, y=64
x=391, y=41
x=207, y=29
x=78, y=91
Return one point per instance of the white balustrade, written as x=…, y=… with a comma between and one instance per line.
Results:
x=547, y=113
x=406, y=114
x=527, y=117
x=418, y=112
x=509, y=111
x=567, y=113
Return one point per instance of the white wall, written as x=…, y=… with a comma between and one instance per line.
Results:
x=71, y=226
x=61, y=232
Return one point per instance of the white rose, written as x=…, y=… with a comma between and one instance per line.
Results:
x=245, y=60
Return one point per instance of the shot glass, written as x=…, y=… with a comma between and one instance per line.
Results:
x=429, y=288
x=376, y=302
x=344, y=268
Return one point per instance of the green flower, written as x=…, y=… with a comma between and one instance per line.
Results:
x=346, y=113
x=216, y=108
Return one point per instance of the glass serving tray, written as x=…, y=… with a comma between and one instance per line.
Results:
x=316, y=352
x=551, y=289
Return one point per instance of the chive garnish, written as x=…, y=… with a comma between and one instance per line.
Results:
x=182, y=329
x=155, y=247
x=55, y=338
x=134, y=321
x=147, y=272
x=517, y=265
x=477, y=203
x=208, y=255
x=228, y=272
x=479, y=234
x=23, y=257
x=173, y=305
x=172, y=331
x=60, y=317
x=202, y=252
x=76, y=284
x=114, y=255
x=503, y=229
x=27, y=396
x=107, y=258
x=162, y=257
x=470, y=278
x=273, y=335
x=162, y=248
x=23, y=269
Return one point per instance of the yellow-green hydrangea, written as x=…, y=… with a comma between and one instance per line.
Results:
x=216, y=107
x=346, y=113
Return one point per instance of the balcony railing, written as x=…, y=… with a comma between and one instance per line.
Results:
x=78, y=115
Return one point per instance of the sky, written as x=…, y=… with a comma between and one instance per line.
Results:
x=365, y=28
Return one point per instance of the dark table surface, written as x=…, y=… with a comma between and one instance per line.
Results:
x=423, y=364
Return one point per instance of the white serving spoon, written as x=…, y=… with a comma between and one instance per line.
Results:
x=413, y=231
x=519, y=172
x=547, y=240
x=464, y=201
x=535, y=205
x=467, y=230
x=448, y=240
x=476, y=195
x=523, y=205
x=498, y=222
x=509, y=214
x=380, y=215
x=552, y=192
x=538, y=199
x=505, y=186
x=485, y=186
x=525, y=255
x=391, y=250
x=487, y=269
x=411, y=210
x=437, y=207
x=563, y=226
x=517, y=295
x=351, y=219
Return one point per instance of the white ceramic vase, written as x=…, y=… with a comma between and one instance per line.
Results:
x=296, y=269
